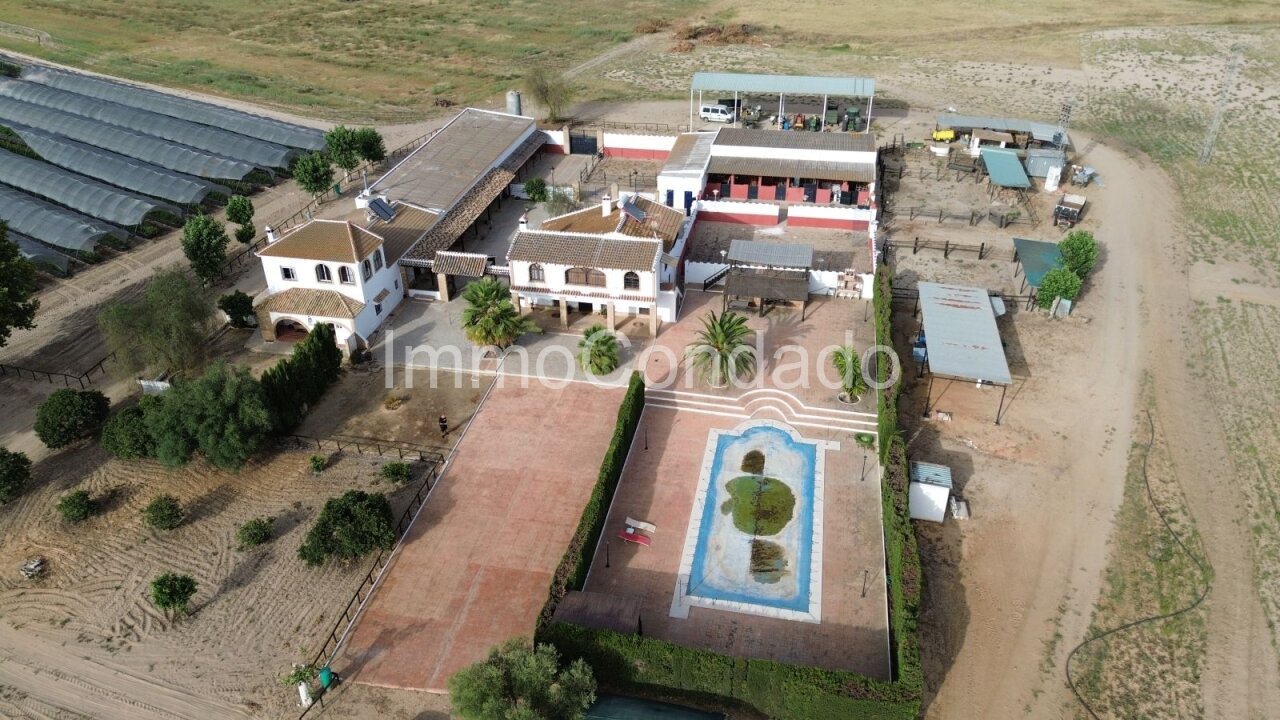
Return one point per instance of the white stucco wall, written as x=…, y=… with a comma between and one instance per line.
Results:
x=629, y=141
x=388, y=278
x=555, y=275
x=747, y=151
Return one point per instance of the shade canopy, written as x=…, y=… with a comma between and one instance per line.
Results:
x=1037, y=257
x=961, y=337
x=785, y=84
x=1005, y=168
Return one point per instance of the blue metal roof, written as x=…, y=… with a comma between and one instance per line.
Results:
x=1044, y=132
x=1037, y=257
x=1005, y=168
x=930, y=473
x=785, y=84
x=962, y=340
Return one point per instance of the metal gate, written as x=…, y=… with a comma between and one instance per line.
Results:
x=581, y=143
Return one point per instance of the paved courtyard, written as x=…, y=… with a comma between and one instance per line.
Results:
x=659, y=485
x=476, y=566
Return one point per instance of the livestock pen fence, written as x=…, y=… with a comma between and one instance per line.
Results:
x=328, y=650
x=84, y=379
x=982, y=250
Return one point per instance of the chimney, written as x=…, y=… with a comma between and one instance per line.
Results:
x=524, y=222
x=271, y=234
x=606, y=208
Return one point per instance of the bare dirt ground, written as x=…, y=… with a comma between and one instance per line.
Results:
x=86, y=642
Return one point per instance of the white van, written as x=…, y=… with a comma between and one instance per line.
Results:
x=716, y=113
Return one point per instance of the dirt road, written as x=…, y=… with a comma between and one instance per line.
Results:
x=1008, y=661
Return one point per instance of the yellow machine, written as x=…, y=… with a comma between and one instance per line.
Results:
x=944, y=135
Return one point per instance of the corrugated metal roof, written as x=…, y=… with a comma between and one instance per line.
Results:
x=772, y=255
x=786, y=84
x=815, y=169
x=1005, y=168
x=1037, y=257
x=961, y=337
x=1043, y=132
x=689, y=155
x=783, y=140
x=930, y=473
x=1040, y=160
x=437, y=175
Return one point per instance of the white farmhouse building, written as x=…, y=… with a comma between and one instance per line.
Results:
x=613, y=258
x=341, y=272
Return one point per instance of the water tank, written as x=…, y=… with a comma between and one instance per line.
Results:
x=513, y=102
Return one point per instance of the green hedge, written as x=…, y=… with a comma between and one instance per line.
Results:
x=902, y=555
x=643, y=665
x=298, y=381
x=653, y=667
x=8, y=69
x=572, y=572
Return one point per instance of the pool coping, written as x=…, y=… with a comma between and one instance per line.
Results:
x=682, y=602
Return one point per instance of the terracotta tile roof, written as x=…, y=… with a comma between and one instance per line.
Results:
x=661, y=222
x=408, y=227
x=459, y=263
x=315, y=303
x=451, y=226
x=591, y=251
x=325, y=241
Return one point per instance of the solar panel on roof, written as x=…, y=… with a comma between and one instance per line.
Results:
x=632, y=210
x=382, y=209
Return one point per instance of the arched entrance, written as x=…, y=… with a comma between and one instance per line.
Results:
x=290, y=330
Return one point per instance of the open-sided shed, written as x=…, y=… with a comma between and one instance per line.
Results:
x=962, y=341
x=782, y=85
x=1035, y=258
x=1005, y=169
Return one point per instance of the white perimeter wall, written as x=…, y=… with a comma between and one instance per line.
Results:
x=831, y=212
x=628, y=141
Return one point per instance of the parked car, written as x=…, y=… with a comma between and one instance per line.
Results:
x=716, y=113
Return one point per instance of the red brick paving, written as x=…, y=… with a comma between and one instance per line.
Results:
x=475, y=569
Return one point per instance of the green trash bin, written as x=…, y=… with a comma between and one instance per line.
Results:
x=326, y=674
x=337, y=188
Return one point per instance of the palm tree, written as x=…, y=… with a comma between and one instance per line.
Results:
x=845, y=360
x=723, y=351
x=598, y=351
x=490, y=317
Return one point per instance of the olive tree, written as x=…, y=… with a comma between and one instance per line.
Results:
x=17, y=288
x=165, y=329
x=520, y=681
x=314, y=173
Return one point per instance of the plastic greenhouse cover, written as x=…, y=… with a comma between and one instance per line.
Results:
x=77, y=192
x=174, y=156
x=39, y=254
x=255, y=126
x=203, y=137
x=119, y=170
x=51, y=224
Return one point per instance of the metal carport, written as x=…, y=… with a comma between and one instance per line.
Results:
x=783, y=85
x=962, y=341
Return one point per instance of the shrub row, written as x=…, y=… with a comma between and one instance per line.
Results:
x=298, y=381
x=638, y=664
x=902, y=555
x=572, y=571
x=9, y=69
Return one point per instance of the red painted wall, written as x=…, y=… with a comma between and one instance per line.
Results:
x=827, y=223
x=739, y=218
x=550, y=149
x=636, y=154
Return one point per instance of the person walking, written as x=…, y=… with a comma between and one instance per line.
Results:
x=444, y=427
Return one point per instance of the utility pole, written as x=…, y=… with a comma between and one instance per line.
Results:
x=1215, y=125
